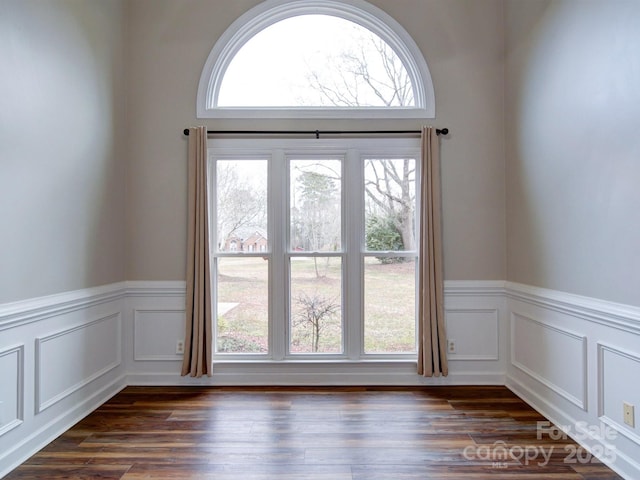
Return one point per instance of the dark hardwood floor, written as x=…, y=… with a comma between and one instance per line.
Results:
x=480, y=433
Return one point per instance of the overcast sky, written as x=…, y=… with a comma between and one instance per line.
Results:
x=271, y=69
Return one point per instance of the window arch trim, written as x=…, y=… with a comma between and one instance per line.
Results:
x=273, y=11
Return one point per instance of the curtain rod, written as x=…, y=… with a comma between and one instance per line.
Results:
x=317, y=133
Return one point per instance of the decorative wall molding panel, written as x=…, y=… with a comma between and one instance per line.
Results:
x=156, y=333
x=62, y=369
x=60, y=359
x=12, y=397
x=618, y=371
x=474, y=312
x=555, y=357
x=476, y=333
x=575, y=359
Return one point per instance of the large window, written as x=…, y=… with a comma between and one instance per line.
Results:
x=315, y=58
x=314, y=248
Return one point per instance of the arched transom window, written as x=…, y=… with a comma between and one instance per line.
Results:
x=316, y=59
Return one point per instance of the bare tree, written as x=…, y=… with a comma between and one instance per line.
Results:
x=371, y=74
x=239, y=204
x=366, y=72
x=390, y=189
x=316, y=314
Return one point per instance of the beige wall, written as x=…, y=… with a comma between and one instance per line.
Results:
x=573, y=156
x=61, y=166
x=571, y=112
x=462, y=42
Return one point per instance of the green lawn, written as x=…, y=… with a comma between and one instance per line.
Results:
x=243, y=302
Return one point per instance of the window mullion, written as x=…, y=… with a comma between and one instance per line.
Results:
x=354, y=219
x=213, y=239
x=278, y=285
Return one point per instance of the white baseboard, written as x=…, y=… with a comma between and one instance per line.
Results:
x=623, y=464
x=44, y=435
x=317, y=379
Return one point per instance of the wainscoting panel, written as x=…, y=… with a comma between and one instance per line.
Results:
x=619, y=375
x=60, y=358
x=555, y=357
x=576, y=360
x=474, y=316
x=62, y=368
x=12, y=390
x=475, y=333
x=156, y=333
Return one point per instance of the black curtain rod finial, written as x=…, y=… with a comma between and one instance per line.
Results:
x=442, y=131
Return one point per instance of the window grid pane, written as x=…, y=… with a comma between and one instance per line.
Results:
x=390, y=204
x=241, y=206
x=315, y=205
x=315, y=305
x=389, y=278
x=242, y=305
x=389, y=306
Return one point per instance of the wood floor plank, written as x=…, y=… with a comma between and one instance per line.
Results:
x=76, y=472
x=285, y=433
x=459, y=472
x=243, y=472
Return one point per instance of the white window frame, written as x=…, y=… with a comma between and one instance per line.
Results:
x=273, y=11
x=353, y=152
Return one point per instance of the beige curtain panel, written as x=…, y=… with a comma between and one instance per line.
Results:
x=432, y=351
x=199, y=327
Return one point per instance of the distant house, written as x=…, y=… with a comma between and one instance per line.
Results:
x=254, y=242
x=233, y=244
